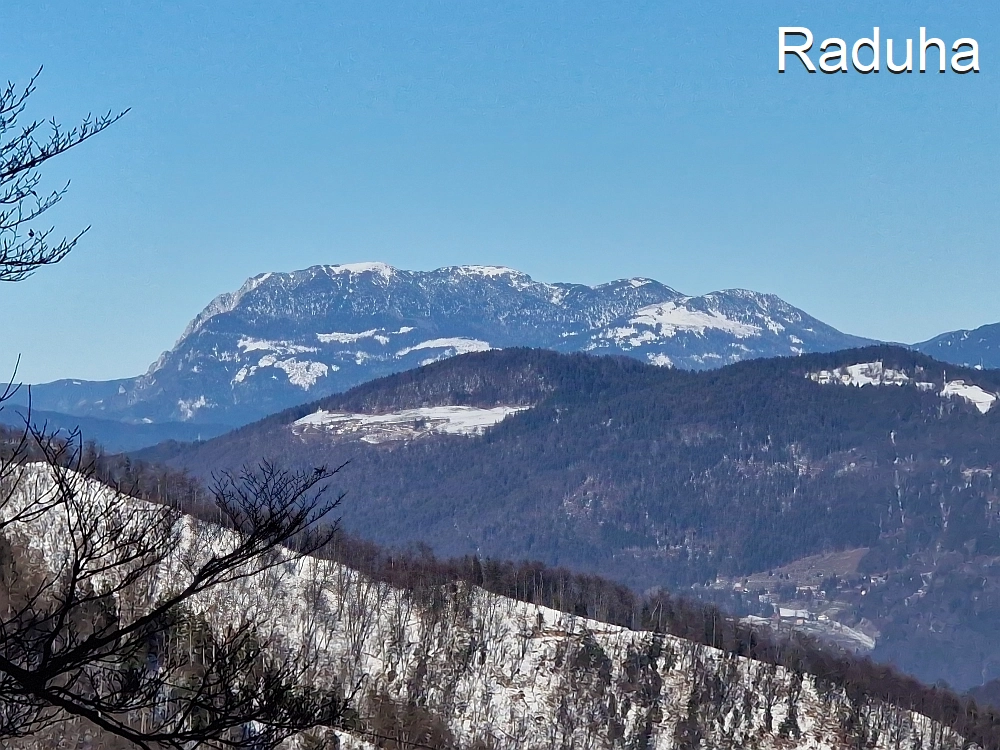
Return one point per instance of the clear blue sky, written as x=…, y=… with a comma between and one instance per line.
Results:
x=577, y=141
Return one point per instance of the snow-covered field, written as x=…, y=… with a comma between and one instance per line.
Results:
x=982, y=400
x=673, y=317
x=406, y=424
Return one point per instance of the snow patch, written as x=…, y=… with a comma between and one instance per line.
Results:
x=982, y=400
x=557, y=294
x=351, y=338
x=248, y=344
x=460, y=345
x=191, y=406
x=302, y=374
x=409, y=423
x=630, y=337
x=672, y=317
x=490, y=272
x=381, y=269
x=517, y=279
x=660, y=360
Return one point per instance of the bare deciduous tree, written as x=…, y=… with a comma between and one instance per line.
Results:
x=103, y=612
x=25, y=244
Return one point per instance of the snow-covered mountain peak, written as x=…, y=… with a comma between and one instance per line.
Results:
x=638, y=282
x=490, y=272
x=286, y=337
x=375, y=267
x=741, y=293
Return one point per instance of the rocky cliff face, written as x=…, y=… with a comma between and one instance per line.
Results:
x=288, y=338
x=477, y=670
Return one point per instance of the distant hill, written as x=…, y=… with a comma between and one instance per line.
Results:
x=287, y=338
x=113, y=436
x=659, y=477
x=979, y=348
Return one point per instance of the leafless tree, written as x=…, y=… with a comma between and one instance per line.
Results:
x=103, y=612
x=25, y=243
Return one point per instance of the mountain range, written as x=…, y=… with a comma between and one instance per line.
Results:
x=286, y=338
x=732, y=447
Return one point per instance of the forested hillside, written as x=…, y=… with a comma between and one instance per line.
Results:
x=480, y=654
x=657, y=477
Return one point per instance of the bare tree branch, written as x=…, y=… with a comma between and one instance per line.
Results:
x=25, y=245
x=94, y=632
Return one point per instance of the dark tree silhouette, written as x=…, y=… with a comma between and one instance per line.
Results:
x=97, y=612
x=103, y=626
x=25, y=243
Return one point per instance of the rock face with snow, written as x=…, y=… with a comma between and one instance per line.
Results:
x=288, y=338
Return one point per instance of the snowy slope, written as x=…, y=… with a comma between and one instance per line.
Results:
x=506, y=675
x=717, y=329
x=287, y=338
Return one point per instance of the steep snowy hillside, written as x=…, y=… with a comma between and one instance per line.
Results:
x=487, y=671
x=287, y=338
